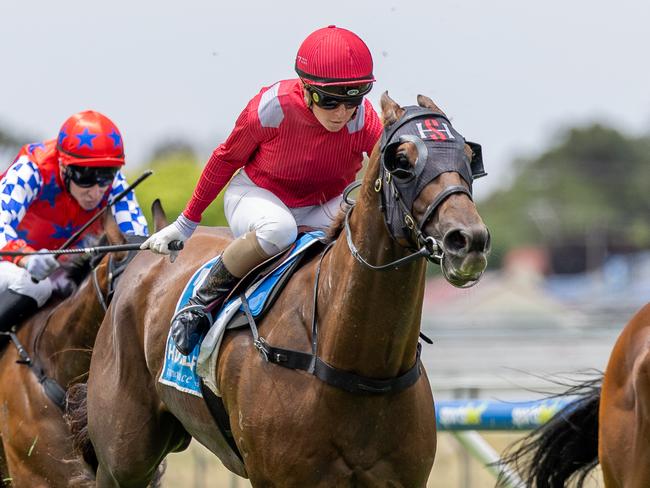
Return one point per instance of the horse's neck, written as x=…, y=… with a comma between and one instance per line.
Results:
x=65, y=343
x=370, y=320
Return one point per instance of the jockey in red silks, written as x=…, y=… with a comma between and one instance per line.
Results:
x=50, y=191
x=294, y=149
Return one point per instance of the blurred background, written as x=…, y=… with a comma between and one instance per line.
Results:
x=556, y=92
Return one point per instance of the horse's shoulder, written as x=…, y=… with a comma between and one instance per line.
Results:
x=220, y=232
x=294, y=307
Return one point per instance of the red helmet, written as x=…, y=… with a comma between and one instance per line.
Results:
x=334, y=56
x=90, y=139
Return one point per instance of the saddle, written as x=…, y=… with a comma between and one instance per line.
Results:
x=261, y=287
x=272, y=276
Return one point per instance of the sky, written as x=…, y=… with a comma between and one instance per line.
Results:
x=510, y=74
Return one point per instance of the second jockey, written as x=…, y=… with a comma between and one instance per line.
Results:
x=50, y=191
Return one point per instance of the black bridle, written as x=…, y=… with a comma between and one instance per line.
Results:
x=115, y=269
x=429, y=251
x=400, y=182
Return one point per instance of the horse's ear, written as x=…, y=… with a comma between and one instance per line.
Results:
x=426, y=102
x=159, y=215
x=391, y=112
x=112, y=230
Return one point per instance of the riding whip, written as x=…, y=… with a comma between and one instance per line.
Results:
x=76, y=235
x=173, y=246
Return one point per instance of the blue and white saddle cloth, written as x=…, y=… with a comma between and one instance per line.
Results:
x=182, y=372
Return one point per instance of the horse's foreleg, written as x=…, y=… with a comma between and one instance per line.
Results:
x=131, y=436
x=129, y=430
x=104, y=478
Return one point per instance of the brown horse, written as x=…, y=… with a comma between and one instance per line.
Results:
x=609, y=424
x=59, y=338
x=291, y=428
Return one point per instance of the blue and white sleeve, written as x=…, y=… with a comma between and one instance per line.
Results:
x=18, y=189
x=127, y=211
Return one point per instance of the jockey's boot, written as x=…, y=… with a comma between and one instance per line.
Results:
x=14, y=308
x=193, y=320
x=239, y=257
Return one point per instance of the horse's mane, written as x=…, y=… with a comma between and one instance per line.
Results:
x=335, y=229
x=78, y=268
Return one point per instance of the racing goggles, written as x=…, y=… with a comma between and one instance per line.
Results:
x=331, y=97
x=88, y=176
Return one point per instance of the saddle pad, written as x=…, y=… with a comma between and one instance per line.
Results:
x=181, y=372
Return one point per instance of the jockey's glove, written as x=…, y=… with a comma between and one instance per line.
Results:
x=40, y=266
x=180, y=230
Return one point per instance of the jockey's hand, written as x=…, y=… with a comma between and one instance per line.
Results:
x=180, y=230
x=40, y=266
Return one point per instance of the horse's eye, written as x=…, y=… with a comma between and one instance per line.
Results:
x=402, y=167
x=402, y=161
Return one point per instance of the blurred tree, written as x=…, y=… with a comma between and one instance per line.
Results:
x=8, y=140
x=175, y=176
x=174, y=148
x=591, y=187
x=9, y=145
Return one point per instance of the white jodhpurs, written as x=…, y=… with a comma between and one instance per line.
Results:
x=17, y=279
x=250, y=208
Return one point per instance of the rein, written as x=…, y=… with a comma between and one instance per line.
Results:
x=71, y=240
x=173, y=246
x=52, y=388
x=422, y=253
x=114, y=271
x=98, y=290
x=429, y=251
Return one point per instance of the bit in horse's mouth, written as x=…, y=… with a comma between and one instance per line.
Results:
x=454, y=278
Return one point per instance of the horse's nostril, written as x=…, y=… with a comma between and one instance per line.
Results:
x=455, y=242
x=462, y=241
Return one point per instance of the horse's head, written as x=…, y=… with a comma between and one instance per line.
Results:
x=107, y=267
x=426, y=175
x=74, y=322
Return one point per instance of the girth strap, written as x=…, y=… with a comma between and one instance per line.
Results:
x=338, y=378
x=220, y=416
x=354, y=383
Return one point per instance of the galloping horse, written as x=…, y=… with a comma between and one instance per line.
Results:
x=291, y=428
x=59, y=338
x=609, y=424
